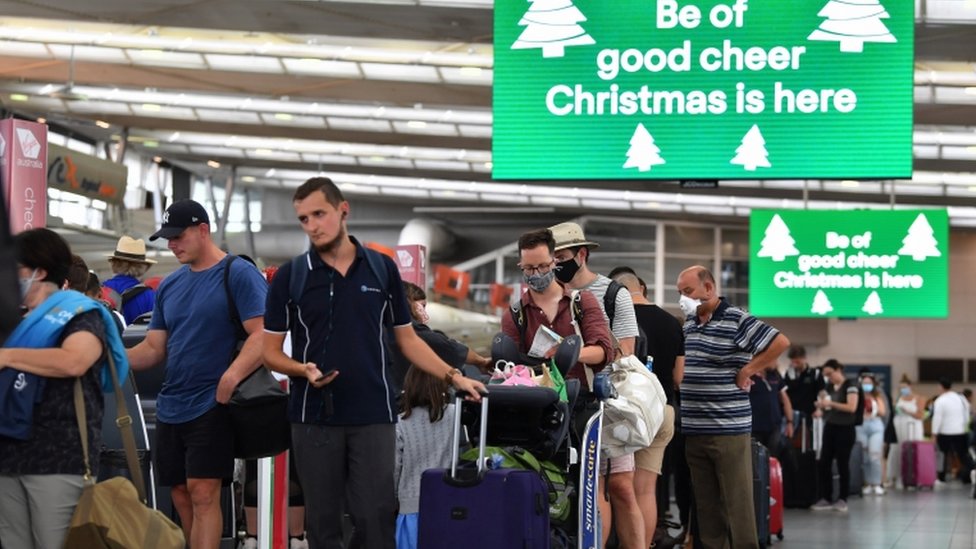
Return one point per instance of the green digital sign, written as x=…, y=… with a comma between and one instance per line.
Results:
x=678, y=89
x=862, y=263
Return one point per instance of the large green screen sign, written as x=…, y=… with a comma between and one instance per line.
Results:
x=806, y=263
x=679, y=89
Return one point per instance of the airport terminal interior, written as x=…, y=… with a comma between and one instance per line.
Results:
x=234, y=104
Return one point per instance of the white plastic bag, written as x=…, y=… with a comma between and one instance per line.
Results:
x=632, y=420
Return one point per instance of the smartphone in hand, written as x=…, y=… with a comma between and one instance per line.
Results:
x=325, y=375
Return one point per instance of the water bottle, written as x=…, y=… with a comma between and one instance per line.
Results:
x=650, y=363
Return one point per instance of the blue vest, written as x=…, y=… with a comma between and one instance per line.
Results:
x=41, y=329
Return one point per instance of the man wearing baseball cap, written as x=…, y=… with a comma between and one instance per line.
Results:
x=180, y=216
x=129, y=264
x=192, y=331
x=572, y=257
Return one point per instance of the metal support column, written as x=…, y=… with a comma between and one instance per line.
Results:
x=228, y=194
x=251, y=250
x=659, y=282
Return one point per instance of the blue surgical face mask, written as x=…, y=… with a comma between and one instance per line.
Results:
x=868, y=387
x=905, y=391
x=539, y=281
x=25, y=285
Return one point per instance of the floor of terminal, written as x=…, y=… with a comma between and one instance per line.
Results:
x=941, y=519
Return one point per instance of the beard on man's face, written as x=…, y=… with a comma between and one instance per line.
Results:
x=333, y=244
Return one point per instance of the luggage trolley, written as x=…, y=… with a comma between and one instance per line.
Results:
x=564, y=433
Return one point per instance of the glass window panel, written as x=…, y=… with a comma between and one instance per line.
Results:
x=617, y=237
x=643, y=266
x=735, y=243
x=734, y=275
x=739, y=298
x=680, y=239
x=673, y=267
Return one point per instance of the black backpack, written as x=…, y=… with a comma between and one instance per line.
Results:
x=610, y=306
x=127, y=296
x=859, y=411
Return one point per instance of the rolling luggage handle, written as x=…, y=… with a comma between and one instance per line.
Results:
x=456, y=437
x=911, y=433
x=818, y=428
x=803, y=433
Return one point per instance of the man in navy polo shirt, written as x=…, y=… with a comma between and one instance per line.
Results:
x=803, y=384
x=724, y=347
x=343, y=407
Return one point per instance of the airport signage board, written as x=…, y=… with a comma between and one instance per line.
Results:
x=23, y=161
x=679, y=89
x=97, y=178
x=862, y=263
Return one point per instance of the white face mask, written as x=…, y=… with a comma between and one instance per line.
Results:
x=688, y=305
x=25, y=285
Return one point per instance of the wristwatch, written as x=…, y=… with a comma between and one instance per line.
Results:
x=449, y=376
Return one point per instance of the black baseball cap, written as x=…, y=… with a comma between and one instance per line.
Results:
x=179, y=216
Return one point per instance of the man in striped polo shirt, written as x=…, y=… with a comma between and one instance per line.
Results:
x=724, y=347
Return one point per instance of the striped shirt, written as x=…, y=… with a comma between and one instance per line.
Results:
x=624, y=317
x=711, y=402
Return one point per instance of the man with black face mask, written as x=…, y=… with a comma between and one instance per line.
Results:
x=549, y=304
x=572, y=269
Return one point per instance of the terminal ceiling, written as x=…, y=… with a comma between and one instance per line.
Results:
x=393, y=99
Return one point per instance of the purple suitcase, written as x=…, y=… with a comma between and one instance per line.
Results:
x=918, y=464
x=483, y=509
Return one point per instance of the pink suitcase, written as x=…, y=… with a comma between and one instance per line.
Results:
x=918, y=464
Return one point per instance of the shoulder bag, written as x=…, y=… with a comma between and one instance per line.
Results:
x=113, y=514
x=259, y=405
x=259, y=412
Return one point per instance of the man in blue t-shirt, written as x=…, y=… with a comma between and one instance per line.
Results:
x=343, y=409
x=724, y=347
x=192, y=331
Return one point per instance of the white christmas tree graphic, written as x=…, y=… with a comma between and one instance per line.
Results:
x=777, y=243
x=752, y=153
x=920, y=242
x=552, y=25
x=821, y=304
x=852, y=23
x=872, y=305
x=643, y=153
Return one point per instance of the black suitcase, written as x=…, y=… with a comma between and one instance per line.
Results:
x=112, y=454
x=112, y=463
x=801, y=486
x=760, y=491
